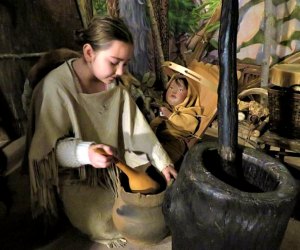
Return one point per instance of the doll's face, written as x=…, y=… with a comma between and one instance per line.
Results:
x=176, y=92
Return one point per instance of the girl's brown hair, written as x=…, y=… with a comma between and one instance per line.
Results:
x=102, y=31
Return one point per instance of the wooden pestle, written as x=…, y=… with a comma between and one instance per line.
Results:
x=139, y=182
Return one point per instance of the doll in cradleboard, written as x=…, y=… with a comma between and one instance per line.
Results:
x=179, y=117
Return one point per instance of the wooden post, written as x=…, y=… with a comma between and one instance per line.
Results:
x=202, y=38
x=269, y=24
x=85, y=8
x=228, y=84
x=155, y=30
x=113, y=8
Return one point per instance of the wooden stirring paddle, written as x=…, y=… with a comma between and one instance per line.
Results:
x=139, y=182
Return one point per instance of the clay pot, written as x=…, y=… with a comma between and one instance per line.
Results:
x=139, y=217
x=207, y=209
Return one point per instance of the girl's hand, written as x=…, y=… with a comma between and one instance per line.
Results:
x=169, y=172
x=99, y=160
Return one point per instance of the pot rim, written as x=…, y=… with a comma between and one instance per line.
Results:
x=286, y=188
x=141, y=200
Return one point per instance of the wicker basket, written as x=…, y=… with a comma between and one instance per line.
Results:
x=250, y=76
x=284, y=106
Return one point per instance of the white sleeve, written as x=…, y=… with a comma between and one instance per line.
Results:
x=71, y=152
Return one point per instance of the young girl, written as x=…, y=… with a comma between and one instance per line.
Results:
x=179, y=117
x=76, y=109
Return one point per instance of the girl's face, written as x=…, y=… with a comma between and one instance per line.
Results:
x=110, y=63
x=176, y=92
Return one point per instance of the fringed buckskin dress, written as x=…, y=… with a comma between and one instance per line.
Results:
x=60, y=110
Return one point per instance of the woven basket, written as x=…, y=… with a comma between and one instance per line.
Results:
x=284, y=106
x=249, y=76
